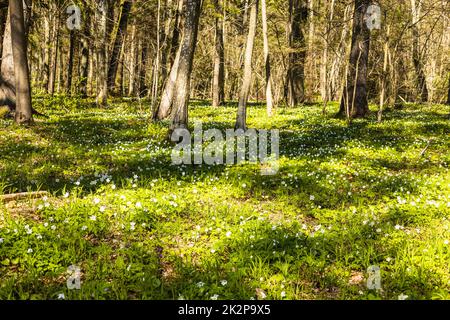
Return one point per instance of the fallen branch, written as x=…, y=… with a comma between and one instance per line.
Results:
x=426, y=148
x=23, y=195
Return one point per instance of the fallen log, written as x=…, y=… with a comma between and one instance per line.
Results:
x=23, y=195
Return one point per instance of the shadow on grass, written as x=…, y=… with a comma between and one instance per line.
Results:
x=119, y=147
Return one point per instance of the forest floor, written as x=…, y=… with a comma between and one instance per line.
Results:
x=346, y=198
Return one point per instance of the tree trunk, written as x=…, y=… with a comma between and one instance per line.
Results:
x=448, y=94
x=218, y=89
x=92, y=62
x=417, y=57
x=242, y=21
x=241, y=120
x=7, y=67
x=47, y=55
x=70, y=64
x=28, y=16
x=84, y=60
x=132, y=67
x=54, y=53
x=118, y=42
x=120, y=72
x=325, y=82
x=175, y=41
x=165, y=46
x=295, y=93
x=269, y=99
x=143, y=89
x=156, y=61
x=7, y=80
x=3, y=20
x=60, y=69
x=164, y=107
x=186, y=59
x=134, y=77
x=102, y=95
x=354, y=100
x=19, y=43
x=384, y=76
x=84, y=67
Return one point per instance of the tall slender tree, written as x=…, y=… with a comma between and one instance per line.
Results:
x=448, y=93
x=85, y=52
x=72, y=44
x=102, y=67
x=133, y=57
x=54, y=53
x=269, y=98
x=143, y=89
x=186, y=58
x=118, y=43
x=421, y=83
x=164, y=108
x=22, y=78
x=354, y=101
x=3, y=19
x=218, y=90
x=295, y=84
x=7, y=62
x=241, y=120
x=7, y=90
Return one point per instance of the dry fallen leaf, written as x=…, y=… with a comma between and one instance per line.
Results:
x=356, y=278
x=260, y=293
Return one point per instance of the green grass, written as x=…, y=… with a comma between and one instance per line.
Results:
x=345, y=198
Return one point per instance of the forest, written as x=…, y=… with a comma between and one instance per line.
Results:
x=224, y=150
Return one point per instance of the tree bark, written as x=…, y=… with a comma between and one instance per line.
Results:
x=143, y=89
x=118, y=43
x=218, y=89
x=164, y=37
x=84, y=60
x=448, y=94
x=72, y=41
x=3, y=20
x=186, y=59
x=102, y=95
x=241, y=120
x=7, y=90
x=175, y=41
x=120, y=73
x=421, y=82
x=354, y=100
x=132, y=65
x=325, y=82
x=54, y=52
x=157, y=60
x=295, y=91
x=61, y=67
x=28, y=16
x=19, y=43
x=7, y=63
x=46, y=55
x=384, y=76
x=269, y=97
x=164, y=108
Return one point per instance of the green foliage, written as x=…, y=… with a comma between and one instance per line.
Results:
x=4, y=111
x=346, y=198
